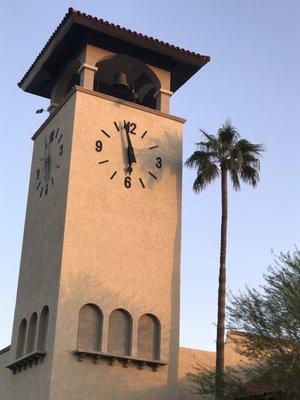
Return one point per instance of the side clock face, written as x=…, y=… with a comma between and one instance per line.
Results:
x=49, y=162
x=138, y=157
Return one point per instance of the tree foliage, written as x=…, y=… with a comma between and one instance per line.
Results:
x=271, y=318
x=269, y=322
x=239, y=156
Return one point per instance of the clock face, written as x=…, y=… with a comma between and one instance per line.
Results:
x=49, y=162
x=128, y=155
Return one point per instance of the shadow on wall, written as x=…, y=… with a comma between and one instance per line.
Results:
x=117, y=332
x=147, y=339
x=170, y=145
x=119, y=342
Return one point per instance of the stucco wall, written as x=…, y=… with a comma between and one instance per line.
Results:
x=41, y=256
x=92, y=240
x=189, y=358
x=6, y=379
x=121, y=247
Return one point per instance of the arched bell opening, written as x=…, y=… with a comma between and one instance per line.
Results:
x=127, y=78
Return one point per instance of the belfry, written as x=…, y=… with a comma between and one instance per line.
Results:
x=97, y=309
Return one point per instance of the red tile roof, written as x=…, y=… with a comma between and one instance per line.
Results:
x=133, y=34
x=257, y=389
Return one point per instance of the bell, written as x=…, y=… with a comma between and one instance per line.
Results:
x=120, y=82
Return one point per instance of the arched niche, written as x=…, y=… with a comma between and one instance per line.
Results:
x=143, y=82
x=43, y=329
x=119, y=333
x=31, y=335
x=21, y=338
x=89, y=328
x=69, y=78
x=149, y=337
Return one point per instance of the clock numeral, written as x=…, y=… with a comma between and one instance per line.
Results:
x=98, y=145
x=38, y=174
x=46, y=189
x=61, y=149
x=127, y=182
x=130, y=127
x=158, y=162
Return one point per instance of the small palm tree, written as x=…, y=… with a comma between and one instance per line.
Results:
x=224, y=154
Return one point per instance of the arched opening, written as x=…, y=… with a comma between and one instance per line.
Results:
x=138, y=82
x=149, y=337
x=89, y=328
x=21, y=338
x=119, y=333
x=31, y=336
x=43, y=329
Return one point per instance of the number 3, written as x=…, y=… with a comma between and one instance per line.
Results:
x=158, y=162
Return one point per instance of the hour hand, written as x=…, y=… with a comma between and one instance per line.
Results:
x=130, y=153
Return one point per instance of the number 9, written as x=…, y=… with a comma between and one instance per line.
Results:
x=98, y=145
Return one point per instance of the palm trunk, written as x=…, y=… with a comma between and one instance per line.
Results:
x=219, y=379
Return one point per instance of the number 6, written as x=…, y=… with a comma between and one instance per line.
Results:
x=127, y=182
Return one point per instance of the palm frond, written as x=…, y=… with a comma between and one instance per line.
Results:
x=225, y=150
x=198, y=159
x=207, y=135
x=250, y=175
x=205, y=176
x=235, y=179
x=212, y=142
x=228, y=134
x=245, y=146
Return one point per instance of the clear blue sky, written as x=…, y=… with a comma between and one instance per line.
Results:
x=253, y=78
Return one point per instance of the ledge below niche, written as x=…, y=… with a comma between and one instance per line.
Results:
x=124, y=360
x=27, y=361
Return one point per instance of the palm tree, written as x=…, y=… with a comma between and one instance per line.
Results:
x=219, y=155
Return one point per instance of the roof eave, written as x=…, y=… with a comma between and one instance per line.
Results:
x=190, y=62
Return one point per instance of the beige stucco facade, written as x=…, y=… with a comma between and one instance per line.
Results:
x=93, y=240
x=187, y=361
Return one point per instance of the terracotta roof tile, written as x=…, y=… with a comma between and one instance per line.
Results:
x=255, y=389
x=71, y=12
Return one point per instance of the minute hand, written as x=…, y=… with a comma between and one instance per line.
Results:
x=130, y=151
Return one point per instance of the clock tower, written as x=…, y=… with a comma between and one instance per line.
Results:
x=97, y=311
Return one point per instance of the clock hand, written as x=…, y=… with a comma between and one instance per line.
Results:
x=130, y=152
x=49, y=161
x=48, y=167
x=45, y=160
